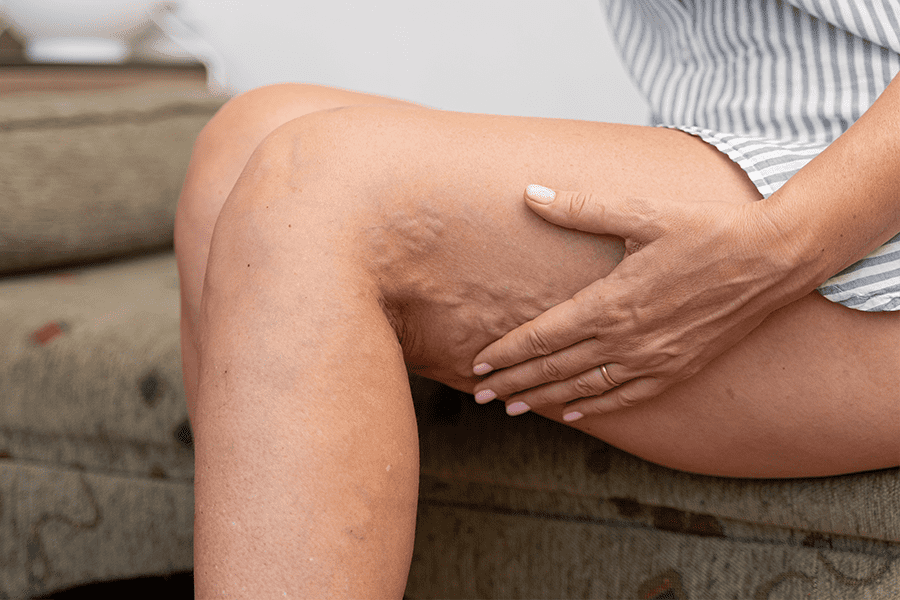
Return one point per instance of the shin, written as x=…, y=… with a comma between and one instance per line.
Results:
x=305, y=439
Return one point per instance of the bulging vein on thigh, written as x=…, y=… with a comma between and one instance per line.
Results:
x=447, y=301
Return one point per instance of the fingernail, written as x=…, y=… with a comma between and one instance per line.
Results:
x=540, y=194
x=517, y=408
x=482, y=368
x=485, y=396
x=572, y=416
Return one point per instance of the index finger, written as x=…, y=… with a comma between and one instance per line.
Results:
x=558, y=327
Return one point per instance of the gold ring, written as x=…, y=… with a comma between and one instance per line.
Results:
x=606, y=376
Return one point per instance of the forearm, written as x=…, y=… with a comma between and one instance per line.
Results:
x=846, y=202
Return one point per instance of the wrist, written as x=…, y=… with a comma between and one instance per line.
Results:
x=800, y=260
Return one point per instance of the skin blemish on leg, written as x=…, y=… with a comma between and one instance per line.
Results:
x=356, y=535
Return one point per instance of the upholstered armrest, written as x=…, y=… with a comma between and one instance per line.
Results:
x=94, y=173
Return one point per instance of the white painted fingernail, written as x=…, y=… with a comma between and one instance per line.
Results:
x=485, y=396
x=572, y=416
x=482, y=368
x=517, y=408
x=540, y=194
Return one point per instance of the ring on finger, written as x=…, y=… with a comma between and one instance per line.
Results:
x=607, y=377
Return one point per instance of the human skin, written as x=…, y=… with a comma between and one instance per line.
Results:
x=833, y=212
x=363, y=242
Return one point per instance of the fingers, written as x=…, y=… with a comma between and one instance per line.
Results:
x=557, y=328
x=631, y=393
x=588, y=212
x=559, y=366
x=554, y=358
x=587, y=384
x=569, y=322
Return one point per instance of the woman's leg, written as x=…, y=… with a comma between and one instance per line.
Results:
x=306, y=447
x=351, y=229
x=219, y=156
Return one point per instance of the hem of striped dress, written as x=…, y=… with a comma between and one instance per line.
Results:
x=722, y=142
x=853, y=287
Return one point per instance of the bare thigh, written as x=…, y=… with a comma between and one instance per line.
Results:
x=434, y=201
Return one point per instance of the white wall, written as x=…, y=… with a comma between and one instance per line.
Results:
x=549, y=58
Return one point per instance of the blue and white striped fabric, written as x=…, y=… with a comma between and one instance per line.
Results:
x=770, y=84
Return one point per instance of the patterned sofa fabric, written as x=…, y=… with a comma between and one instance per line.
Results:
x=96, y=464
x=95, y=460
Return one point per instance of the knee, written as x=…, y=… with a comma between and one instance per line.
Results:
x=222, y=149
x=220, y=153
x=224, y=146
x=314, y=177
x=341, y=167
x=356, y=173
x=331, y=186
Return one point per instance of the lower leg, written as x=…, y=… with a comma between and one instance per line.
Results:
x=306, y=446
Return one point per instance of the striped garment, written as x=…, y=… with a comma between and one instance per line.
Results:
x=770, y=84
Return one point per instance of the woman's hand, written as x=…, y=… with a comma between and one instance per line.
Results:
x=696, y=278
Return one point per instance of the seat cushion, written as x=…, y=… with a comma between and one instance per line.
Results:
x=94, y=174
x=96, y=463
x=527, y=508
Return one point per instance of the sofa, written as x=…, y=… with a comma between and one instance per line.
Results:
x=96, y=459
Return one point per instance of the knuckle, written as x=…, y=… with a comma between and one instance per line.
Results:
x=538, y=343
x=585, y=388
x=588, y=316
x=579, y=202
x=551, y=370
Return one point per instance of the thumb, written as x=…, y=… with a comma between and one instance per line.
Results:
x=582, y=211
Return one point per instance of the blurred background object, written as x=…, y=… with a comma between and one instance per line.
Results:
x=516, y=57
x=73, y=44
x=77, y=31
x=184, y=37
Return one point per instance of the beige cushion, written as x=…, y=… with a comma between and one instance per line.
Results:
x=96, y=464
x=93, y=174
